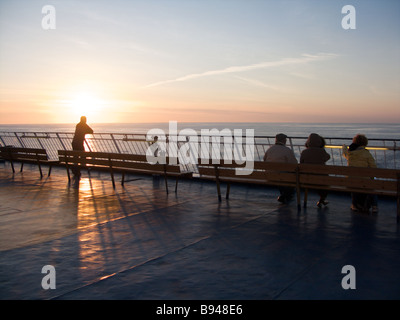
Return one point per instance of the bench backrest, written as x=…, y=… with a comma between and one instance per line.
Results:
x=23, y=154
x=115, y=161
x=262, y=173
x=354, y=179
x=340, y=178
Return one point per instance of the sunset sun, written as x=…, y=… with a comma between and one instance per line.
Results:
x=85, y=103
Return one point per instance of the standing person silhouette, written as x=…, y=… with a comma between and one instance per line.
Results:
x=81, y=130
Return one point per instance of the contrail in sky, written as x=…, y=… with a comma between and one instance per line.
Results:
x=263, y=65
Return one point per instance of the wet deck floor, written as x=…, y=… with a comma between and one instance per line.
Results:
x=137, y=242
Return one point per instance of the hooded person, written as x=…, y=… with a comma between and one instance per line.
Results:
x=279, y=152
x=315, y=150
x=357, y=155
x=315, y=154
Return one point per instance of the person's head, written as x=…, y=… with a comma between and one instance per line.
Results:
x=280, y=138
x=83, y=119
x=315, y=140
x=361, y=140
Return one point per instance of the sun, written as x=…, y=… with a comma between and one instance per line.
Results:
x=85, y=103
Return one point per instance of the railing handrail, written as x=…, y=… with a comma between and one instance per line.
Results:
x=143, y=133
x=137, y=142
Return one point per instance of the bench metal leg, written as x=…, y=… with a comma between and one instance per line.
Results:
x=398, y=209
x=67, y=167
x=112, y=178
x=219, y=191
x=298, y=189
x=228, y=189
x=12, y=166
x=166, y=183
x=398, y=198
x=176, y=184
x=40, y=170
x=305, y=198
x=298, y=199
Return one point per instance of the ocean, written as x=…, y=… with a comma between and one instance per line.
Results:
x=327, y=130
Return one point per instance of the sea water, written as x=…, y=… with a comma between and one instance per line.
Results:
x=327, y=130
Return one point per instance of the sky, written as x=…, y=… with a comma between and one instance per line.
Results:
x=199, y=61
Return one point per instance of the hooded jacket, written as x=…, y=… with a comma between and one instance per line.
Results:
x=358, y=156
x=315, y=152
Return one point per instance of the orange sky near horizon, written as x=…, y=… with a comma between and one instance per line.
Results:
x=126, y=62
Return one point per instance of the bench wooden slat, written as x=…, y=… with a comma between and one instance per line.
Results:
x=125, y=163
x=138, y=165
x=348, y=171
x=23, y=150
x=278, y=166
x=365, y=184
x=25, y=155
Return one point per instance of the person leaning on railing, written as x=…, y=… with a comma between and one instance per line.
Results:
x=358, y=156
x=81, y=130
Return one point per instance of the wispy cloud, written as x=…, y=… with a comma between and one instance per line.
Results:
x=258, y=83
x=305, y=58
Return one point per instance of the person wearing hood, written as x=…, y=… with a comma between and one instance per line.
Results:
x=315, y=154
x=279, y=152
x=358, y=156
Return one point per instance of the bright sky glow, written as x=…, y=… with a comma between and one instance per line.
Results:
x=199, y=60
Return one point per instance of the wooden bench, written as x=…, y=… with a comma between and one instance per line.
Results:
x=264, y=173
x=377, y=181
x=123, y=163
x=26, y=155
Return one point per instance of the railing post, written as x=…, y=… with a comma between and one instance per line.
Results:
x=59, y=139
x=19, y=140
x=115, y=143
x=398, y=198
x=291, y=144
x=38, y=139
x=2, y=141
x=87, y=144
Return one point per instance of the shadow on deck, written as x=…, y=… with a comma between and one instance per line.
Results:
x=137, y=242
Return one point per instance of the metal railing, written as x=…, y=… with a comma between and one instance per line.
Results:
x=384, y=151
